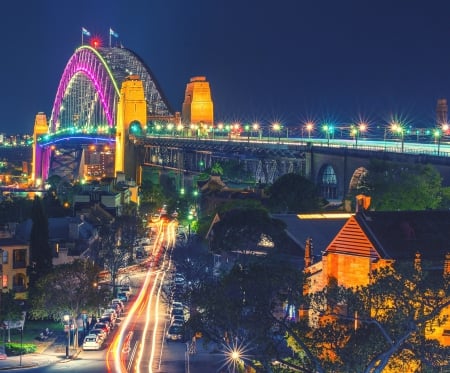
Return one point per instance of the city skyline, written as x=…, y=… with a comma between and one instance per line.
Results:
x=289, y=63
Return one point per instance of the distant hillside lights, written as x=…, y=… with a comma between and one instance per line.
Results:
x=16, y=140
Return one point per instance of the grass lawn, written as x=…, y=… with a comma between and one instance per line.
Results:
x=31, y=332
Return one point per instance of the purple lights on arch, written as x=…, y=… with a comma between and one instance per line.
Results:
x=86, y=62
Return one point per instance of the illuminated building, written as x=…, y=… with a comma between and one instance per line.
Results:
x=14, y=263
x=99, y=163
x=197, y=106
x=370, y=240
x=442, y=111
x=131, y=116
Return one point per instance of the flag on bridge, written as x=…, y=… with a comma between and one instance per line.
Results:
x=84, y=32
x=113, y=33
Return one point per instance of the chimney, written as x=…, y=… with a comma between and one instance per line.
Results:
x=308, y=252
x=441, y=111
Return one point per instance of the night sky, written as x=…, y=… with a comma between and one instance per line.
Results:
x=286, y=60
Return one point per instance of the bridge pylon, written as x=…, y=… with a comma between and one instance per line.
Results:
x=40, y=128
x=131, y=118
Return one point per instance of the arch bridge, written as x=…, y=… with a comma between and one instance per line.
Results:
x=107, y=97
x=91, y=107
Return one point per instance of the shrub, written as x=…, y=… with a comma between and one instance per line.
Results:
x=14, y=349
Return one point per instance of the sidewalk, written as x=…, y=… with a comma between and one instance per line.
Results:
x=205, y=359
x=54, y=353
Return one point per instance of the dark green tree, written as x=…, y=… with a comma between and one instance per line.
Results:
x=400, y=186
x=248, y=304
x=41, y=254
x=294, y=193
x=69, y=289
x=9, y=307
x=242, y=229
x=384, y=324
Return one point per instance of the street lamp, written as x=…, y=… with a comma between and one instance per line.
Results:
x=309, y=127
x=356, y=130
x=277, y=128
x=328, y=131
x=190, y=217
x=67, y=327
x=437, y=138
x=255, y=127
x=398, y=128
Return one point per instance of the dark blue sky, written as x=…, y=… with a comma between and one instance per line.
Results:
x=285, y=60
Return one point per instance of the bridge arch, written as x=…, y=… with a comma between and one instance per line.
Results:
x=328, y=182
x=87, y=101
x=89, y=88
x=357, y=179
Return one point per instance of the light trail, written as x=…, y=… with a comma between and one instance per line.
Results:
x=114, y=352
x=118, y=351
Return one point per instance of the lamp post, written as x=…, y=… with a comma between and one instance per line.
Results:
x=437, y=138
x=398, y=128
x=67, y=327
x=190, y=217
x=277, y=128
x=356, y=130
x=328, y=130
x=309, y=127
x=255, y=127
x=21, y=345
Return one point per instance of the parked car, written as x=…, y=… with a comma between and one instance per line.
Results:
x=175, y=333
x=106, y=318
x=100, y=332
x=102, y=325
x=116, y=307
x=123, y=296
x=125, y=289
x=177, y=319
x=180, y=312
x=92, y=342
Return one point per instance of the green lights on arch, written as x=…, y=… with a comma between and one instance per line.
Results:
x=104, y=63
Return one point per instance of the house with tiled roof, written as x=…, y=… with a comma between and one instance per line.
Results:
x=372, y=239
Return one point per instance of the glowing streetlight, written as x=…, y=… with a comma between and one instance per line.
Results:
x=328, y=129
x=277, y=128
x=309, y=127
x=437, y=138
x=356, y=130
x=398, y=128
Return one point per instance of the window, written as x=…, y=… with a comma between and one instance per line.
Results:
x=19, y=282
x=20, y=258
x=4, y=256
x=4, y=281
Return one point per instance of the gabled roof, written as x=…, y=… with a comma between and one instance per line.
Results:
x=352, y=240
x=321, y=229
x=402, y=234
x=395, y=235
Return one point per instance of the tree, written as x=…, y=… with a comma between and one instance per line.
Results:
x=114, y=250
x=241, y=229
x=217, y=169
x=400, y=186
x=248, y=304
x=293, y=193
x=68, y=289
x=384, y=323
x=9, y=307
x=41, y=254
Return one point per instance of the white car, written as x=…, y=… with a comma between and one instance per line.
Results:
x=92, y=342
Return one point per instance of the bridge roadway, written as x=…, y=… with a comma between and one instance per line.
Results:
x=335, y=165
x=322, y=160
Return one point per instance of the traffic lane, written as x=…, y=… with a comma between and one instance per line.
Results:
x=173, y=357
